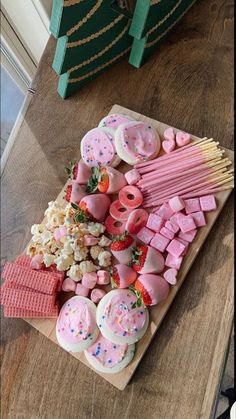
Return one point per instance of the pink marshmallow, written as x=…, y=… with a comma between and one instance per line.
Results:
x=188, y=236
x=176, y=217
x=172, y=226
x=173, y=262
x=199, y=218
x=186, y=223
x=192, y=205
x=165, y=211
x=97, y=294
x=145, y=235
x=155, y=222
x=60, y=232
x=170, y=276
x=81, y=290
x=185, y=243
x=175, y=248
x=103, y=277
x=132, y=177
x=68, y=285
x=167, y=233
x=89, y=280
x=159, y=242
x=208, y=203
x=176, y=203
x=36, y=262
x=90, y=240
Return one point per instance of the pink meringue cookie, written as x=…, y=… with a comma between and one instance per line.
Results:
x=97, y=294
x=37, y=262
x=68, y=285
x=96, y=205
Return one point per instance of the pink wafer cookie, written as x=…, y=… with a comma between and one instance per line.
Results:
x=27, y=300
x=35, y=280
x=24, y=260
x=27, y=314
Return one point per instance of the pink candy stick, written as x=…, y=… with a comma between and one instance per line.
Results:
x=205, y=192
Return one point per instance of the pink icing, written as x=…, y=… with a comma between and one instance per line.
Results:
x=140, y=140
x=76, y=321
x=114, y=120
x=107, y=353
x=97, y=148
x=121, y=318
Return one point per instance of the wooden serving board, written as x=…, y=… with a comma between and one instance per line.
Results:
x=157, y=313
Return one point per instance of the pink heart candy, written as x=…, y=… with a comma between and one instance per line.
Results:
x=168, y=145
x=169, y=134
x=170, y=276
x=182, y=138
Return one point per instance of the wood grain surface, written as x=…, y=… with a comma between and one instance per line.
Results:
x=188, y=84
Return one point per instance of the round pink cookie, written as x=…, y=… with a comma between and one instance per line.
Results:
x=118, y=318
x=136, y=142
x=114, y=120
x=118, y=212
x=97, y=148
x=76, y=326
x=130, y=197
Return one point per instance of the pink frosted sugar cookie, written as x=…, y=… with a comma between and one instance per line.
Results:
x=136, y=142
x=114, y=120
x=119, y=320
x=76, y=326
x=98, y=148
x=108, y=357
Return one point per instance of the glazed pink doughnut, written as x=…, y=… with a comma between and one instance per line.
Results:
x=97, y=148
x=137, y=220
x=130, y=197
x=115, y=227
x=118, y=212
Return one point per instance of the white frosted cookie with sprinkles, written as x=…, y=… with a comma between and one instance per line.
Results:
x=108, y=357
x=114, y=120
x=98, y=148
x=118, y=318
x=76, y=327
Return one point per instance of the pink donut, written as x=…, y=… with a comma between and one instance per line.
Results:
x=114, y=226
x=97, y=148
x=130, y=197
x=118, y=212
x=137, y=220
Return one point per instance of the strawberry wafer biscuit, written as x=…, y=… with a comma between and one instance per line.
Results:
x=10, y=311
x=45, y=283
x=27, y=300
x=24, y=260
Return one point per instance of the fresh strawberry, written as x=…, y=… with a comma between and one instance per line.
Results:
x=121, y=242
x=139, y=254
x=147, y=301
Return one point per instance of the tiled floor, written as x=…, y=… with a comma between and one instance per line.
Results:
x=11, y=100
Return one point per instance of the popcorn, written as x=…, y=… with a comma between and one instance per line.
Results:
x=31, y=250
x=88, y=266
x=67, y=248
x=37, y=229
x=46, y=236
x=64, y=262
x=81, y=254
x=48, y=259
x=104, y=259
x=96, y=229
x=75, y=273
x=104, y=241
x=95, y=251
x=84, y=228
x=55, y=220
x=37, y=238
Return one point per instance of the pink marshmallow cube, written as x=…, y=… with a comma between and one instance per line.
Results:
x=186, y=223
x=160, y=242
x=167, y=233
x=173, y=262
x=165, y=211
x=155, y=222
x=97, y=294
x=103, y=277
x=176, y=203
x=170, y=276
x=172, y=226
x=175, y=248
x=132, y=176
x=192, y=205
x=68, y=285
x=188, y=236
x=174, y=219
x=90, y=240
x=199, y=218
x=89, y=280
x=81, y=290
x=185, y=243
x=145, y=235
x=208, y=203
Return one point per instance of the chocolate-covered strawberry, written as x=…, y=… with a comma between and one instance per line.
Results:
x=106, y=180
x=122, y=276
x=150, y=289
x=146, y=260
x=121, y=248
x=78, y=172
x=93, y=207
x=74, y=193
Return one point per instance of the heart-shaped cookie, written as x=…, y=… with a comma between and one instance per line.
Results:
x=169, y=134
x=182, y=138
x=168, y=145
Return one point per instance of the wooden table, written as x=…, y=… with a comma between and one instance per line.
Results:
x=188, y=84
